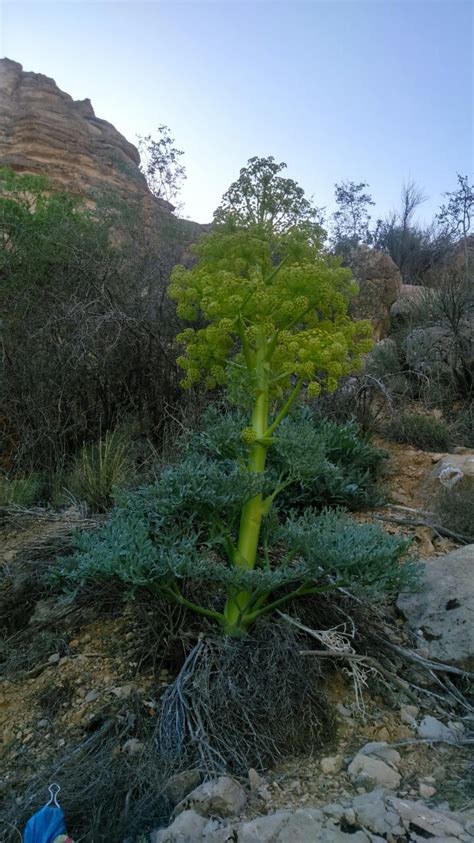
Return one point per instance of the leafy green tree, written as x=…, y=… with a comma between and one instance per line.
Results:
x=262, y=198
x=161, y=164
x=351, y=221
x=455, y=216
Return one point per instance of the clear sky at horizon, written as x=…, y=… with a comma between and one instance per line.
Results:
x=369, y=90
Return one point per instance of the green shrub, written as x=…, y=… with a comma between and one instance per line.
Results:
x=168, y=537
x=99, y=469
x=86, y=331
x=20, y=491
x=421, y=431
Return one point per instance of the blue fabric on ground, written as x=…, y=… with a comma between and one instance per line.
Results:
x=45, y=825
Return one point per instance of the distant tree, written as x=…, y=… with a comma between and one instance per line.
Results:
x=413, y=247
x=352, y=220
x=262, y=198
x=456, y=215
x=160, y=164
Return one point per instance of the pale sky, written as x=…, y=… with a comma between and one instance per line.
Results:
x=368, y=90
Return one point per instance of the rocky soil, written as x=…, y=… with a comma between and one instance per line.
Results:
x=400, y=768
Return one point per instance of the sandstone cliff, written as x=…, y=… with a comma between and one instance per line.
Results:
x=44, y=131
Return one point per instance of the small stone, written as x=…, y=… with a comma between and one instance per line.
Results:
x=343, y=710
x=255, y=781
x=74, y=643
x=381, y=750
x=54, y=658
x=123, y=691
x=133, y=747
x=408, y=714
x=43, y=724
x=331, y=764
x=426, y=790
x=91, y=696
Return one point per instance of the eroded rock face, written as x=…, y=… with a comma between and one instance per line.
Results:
x=379, y=283
x=45, y=132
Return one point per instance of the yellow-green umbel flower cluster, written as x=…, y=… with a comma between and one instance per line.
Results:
x=293, y=311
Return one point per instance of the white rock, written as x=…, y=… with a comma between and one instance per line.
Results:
x=408, y=714
x=432, y=728
x=367, y=770
x=418, y=817
x=331, y=764
x=256, y=781
x=133, y=747
x=382, y=750
x=426, y=790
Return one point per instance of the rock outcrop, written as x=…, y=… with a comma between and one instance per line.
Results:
x=379, y=283
x=45, y=132
x=441, y=612
x=372, y=817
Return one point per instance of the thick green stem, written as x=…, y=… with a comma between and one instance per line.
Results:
x=253, y=510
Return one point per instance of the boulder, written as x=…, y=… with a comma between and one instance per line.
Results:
x=222, y=797
x=366, y=770
x=442, y=611
x=433, y=729
x=411, y=299
x=186, y=828
x=300, y=826
x=381, y=749
x=451, y=468
x=372, y=812
x=379, y=283
x=427, y=821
